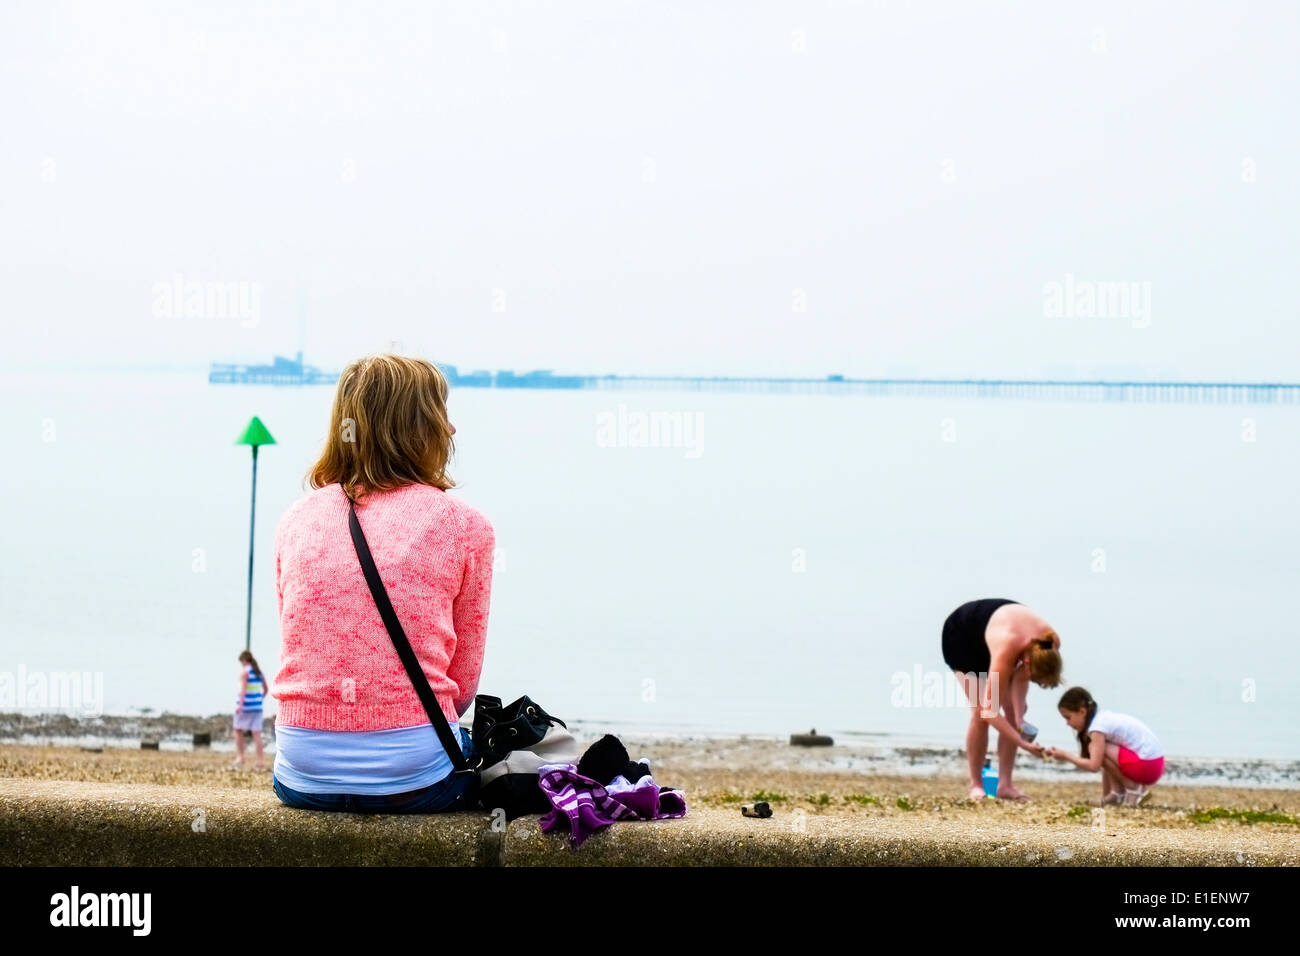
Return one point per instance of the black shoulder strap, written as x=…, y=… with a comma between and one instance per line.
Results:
x=409, y=661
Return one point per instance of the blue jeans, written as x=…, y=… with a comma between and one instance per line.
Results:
x=448, y=795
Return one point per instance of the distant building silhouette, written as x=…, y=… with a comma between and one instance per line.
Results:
x=281, y=371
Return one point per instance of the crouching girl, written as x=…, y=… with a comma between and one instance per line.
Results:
x=1125, y=751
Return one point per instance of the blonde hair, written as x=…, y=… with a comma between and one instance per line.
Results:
x=1045, y=662
x=388, y=428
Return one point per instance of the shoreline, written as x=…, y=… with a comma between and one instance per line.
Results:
x=858, y=754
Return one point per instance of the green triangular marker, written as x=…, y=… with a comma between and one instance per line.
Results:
x=255, y=434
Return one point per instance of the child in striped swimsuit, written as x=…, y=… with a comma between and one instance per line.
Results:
x=248, y=709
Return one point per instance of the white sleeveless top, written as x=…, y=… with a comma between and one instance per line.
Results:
x=1127, y=732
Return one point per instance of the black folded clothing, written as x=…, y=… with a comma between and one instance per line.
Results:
x=607, y=758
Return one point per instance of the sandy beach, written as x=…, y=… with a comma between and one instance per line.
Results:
x=854, y=786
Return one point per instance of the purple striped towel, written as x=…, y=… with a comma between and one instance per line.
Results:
x=584, y=806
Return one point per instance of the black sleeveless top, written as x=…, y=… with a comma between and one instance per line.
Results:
x=965, y=648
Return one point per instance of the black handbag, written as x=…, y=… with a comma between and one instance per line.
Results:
x=510, y=741
x=499, y=729
x=514, y=741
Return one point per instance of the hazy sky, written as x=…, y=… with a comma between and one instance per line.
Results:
x=762, y=188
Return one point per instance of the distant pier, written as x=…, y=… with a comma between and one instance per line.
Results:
x=1219, y=393
x=286, y=371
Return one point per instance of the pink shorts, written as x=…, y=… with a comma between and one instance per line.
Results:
x=1141, y=771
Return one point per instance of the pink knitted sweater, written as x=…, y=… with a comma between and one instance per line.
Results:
x=338, y=667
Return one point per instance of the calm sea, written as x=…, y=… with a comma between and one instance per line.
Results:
x=699, y=563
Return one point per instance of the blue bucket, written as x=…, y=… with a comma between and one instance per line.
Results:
x=990, y=777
